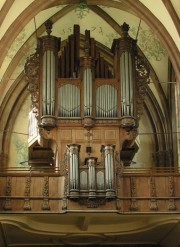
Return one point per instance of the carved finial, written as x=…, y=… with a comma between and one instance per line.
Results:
x=48, y=25
x=125, y=29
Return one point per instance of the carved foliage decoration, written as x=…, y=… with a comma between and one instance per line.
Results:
x=92, y=203
x=171, y=205
x=133, y=206
x=119, y=169
x=64, y=172
x=7, y=205
x=27, y=205
x=142, y=79
x=32, y=76
x=153, y=204
x=45, y=205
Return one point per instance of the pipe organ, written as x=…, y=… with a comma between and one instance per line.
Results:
x=86, y=97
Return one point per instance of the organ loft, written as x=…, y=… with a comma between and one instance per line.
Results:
x=86, y=108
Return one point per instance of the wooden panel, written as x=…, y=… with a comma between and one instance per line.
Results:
x=65, y=134
x=96, y=151
x=110, y=134
x=79, y=135
x=134, y=189
x=97, y=135
x=18, y=186
x=62, y=149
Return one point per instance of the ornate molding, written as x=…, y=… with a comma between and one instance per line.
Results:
x=142, y=79
x=153, y=203
x=7, y=205
x=27, y=205
x=32, y=77
x=64, y=172
x=88, y=122
x=92, y=202
x=133, y=206
x=171, y=205
x=45, y=205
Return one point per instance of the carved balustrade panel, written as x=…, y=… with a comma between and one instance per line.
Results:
x=135, y=192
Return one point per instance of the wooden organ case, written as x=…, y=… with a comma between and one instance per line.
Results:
x=86, y=106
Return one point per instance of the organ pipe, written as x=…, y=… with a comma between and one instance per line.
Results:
x=106, y=101
x=87, y=68
x=91, y=163
x=127, y=48
x=87, y=79
x=69, y=101
x=127, y=96
x=49, y=46
x=73, y=154
x=108, y=152
x=125, y=53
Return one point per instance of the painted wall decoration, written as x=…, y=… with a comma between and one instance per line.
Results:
x=81, y=10
x=100, y=29
x=18, y=153
x=149, y=44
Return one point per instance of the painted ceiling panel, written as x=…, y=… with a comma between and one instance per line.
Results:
x=2, y=3
x=176, y=5
x=16, y=9
x=164, y=17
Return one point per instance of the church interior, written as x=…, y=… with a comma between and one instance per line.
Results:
x=90, y=123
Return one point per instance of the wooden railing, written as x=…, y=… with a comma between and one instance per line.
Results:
x=137, y=191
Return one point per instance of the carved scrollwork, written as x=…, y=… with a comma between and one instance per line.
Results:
x=7, y=205
x=171, y=205
x=27, y=205
x=32, y=77
x=45, y=205
x=88, y=122
x=153, y=202
x=142, y=79
x=92, y=203
x=133, y=206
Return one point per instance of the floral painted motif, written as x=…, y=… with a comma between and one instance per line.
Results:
x=149, y=44
x=82, y=10
x=110, y=37
x=21, y=148
x=18, y=42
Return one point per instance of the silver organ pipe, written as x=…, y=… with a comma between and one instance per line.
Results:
x=109, y=170
x=106, y=101
x=69, y=101
x=48, y=47
x=44, y=76
x=126, y=84
x=131, y=86
x=52, y=84
x=48, y=83
x=126, y=51
x=83, y=180
x=87, y=79
x=91, y=162
x=100, y=180
x=73, y=151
